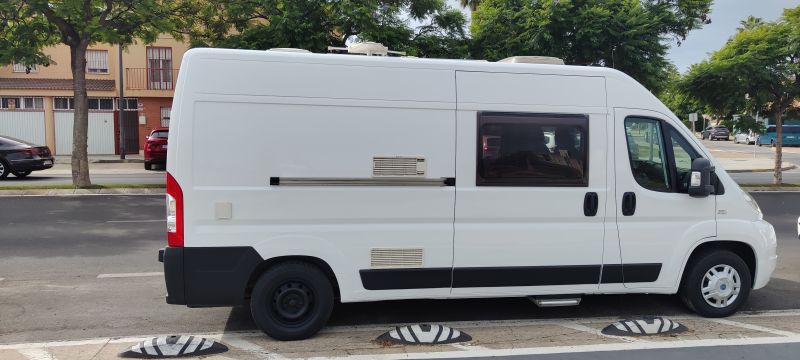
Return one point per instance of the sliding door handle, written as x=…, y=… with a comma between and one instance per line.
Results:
x=590, y=204
x=628, y=203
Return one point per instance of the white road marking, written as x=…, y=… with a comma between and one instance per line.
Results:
x=136, y=221
x=754, y=327
x=36, y=354
x=584, y=328
x=468, y=347
x=573, y=349
x=1, y=279
x=126, y=275
x=257, y=351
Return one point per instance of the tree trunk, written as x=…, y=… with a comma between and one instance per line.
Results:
x=80, y=127
x=778, y=175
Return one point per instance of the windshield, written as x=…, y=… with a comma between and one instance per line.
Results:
x=160, y=134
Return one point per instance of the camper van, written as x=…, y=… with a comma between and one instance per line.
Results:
x=363, y=178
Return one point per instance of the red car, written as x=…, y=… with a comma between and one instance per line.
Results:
x=155, y=149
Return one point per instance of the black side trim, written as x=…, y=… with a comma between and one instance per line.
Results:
x=428, y=278
x=630, y=273
x=217, y=276
x=397, y=279
x=525, y=276
x=172, y=257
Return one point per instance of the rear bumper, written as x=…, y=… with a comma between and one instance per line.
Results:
x=31, y=164
x=204, y=277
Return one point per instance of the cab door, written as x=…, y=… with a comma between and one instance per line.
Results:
x=658, y=223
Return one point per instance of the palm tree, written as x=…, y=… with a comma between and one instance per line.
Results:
x=472, y=4
x=750, y=23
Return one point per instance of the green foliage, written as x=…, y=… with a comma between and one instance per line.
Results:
x=27, y=26
x=676, y=100
x=316, y=24
x=747, y=123
x=624, y=34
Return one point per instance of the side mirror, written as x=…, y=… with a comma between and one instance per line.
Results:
x=700, y=179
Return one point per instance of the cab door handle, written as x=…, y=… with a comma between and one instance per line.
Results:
x=628, y=203
x=590, y=204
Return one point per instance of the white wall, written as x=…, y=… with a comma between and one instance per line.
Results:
x=23, y=125
x=101, y=133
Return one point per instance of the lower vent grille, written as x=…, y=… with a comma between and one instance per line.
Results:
x=396, y=258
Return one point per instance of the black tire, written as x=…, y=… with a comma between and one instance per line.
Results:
x=21, y=174
x=148, y=165
x=5, y=169
x=281, y=290
x=691, y=291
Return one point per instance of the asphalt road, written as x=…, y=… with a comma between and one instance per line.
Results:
x=771, y=352
x=52, y=250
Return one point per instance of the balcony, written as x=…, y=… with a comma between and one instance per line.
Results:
x=150, y=79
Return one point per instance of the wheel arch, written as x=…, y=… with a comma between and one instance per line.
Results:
x=740, y=248
x=271, y=262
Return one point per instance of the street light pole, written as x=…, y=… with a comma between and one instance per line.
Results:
x=121, y=109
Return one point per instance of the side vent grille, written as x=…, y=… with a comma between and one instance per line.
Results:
x=398, y=166
x=395, y=258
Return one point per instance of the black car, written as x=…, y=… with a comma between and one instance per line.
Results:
x=716, y=133
x=20, y=157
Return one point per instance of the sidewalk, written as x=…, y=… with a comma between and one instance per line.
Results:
x=742, y=165
x=129, y=158
x=100, y=165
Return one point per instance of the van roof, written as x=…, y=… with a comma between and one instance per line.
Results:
x=618, y=84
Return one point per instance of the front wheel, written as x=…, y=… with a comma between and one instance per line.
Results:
x=716, y=284
x=4, y=169
x=292, y=301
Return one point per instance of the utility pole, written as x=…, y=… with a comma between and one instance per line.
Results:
x=121, y=109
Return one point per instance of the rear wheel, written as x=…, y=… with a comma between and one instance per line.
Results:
x=148, y=165
x=21, y=174
x=4, y=169
x=716, y=284
x=292, y=301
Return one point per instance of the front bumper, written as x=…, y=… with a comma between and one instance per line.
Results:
x=31, y=164
x=767, y=258
x=208, y=276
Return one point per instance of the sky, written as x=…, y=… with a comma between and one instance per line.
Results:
x=725, y=17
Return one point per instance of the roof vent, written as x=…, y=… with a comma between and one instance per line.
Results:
x=366, y=48
x=292, y=50
x=533, y=60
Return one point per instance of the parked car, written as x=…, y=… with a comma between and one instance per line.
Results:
x=301, y=187
x=789, y=133
x=20, y=157
x=716, y=133
x=155, y=149
x=744, y=138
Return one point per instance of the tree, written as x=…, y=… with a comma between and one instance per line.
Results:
x=28, y=26
x=624, y=34
x=678, y=101
x=316, y=24
x=471, y=4
x=760, y=64
x=750, y=23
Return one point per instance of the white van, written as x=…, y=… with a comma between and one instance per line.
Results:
x=297, y=179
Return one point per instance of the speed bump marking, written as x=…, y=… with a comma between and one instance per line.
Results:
x=174, y=346
x=424, y=334
x=644, y=327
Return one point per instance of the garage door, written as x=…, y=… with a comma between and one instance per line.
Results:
x=101, y=133
x=23, y=125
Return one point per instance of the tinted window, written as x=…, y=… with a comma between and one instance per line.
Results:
x=532, y=150
x=791, y=129
x=771, y=129
x=160, y=134
x=684, y=155
x=647, y=154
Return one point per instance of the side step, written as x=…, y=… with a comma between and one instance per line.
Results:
x=553, y=301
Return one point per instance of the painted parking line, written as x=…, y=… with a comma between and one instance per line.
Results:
x=253, y=349
x=127, y=275
x=598, y=332
x=754, y=327
x=36, y=354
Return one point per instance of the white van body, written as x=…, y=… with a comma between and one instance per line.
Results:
x=279, y=156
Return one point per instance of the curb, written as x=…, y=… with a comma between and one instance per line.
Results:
x=785, y=168
x=771, y=189
x=71, y=192
x=117, y=161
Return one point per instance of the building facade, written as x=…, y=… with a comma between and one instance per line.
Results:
x=36, y=103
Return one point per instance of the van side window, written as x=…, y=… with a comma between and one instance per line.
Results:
x=647, y=154
x=684, y=155
x=517, y=149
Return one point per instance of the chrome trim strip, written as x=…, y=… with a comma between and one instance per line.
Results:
x=282, y=181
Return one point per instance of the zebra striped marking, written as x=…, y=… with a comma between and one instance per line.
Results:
x=424, y=334
x=174, y=346
x=644, y=327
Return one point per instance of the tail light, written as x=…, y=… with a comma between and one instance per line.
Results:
x=174, y=213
